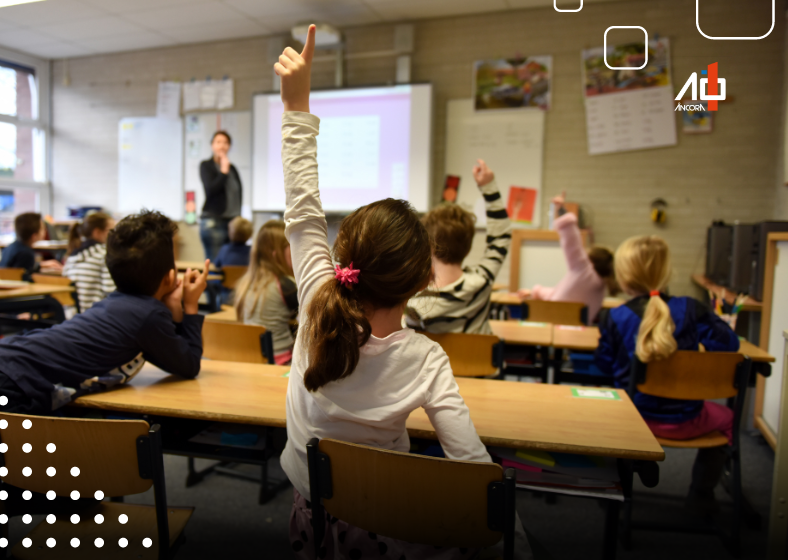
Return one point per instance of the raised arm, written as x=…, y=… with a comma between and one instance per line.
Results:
x=305, y=222
x=499, y=228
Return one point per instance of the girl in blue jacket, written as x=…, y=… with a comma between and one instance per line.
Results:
x=653, y=326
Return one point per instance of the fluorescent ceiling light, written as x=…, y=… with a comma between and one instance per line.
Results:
x=6, y=3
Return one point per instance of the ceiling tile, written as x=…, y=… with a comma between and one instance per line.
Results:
x=217, y=31
x=417, y=9
x=93, y=27
x=304, y=8
x=59, y=49
x=51, y=11
x=130, y=6
x=131, y=42
x=202, y=13
x=21, y=38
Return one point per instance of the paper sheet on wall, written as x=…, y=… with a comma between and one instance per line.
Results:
x=208, y=94
x=225, y=95
x=168, y=103
x=628, y=109
x=191, y=96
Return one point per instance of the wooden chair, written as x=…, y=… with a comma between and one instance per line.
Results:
x=698, y=376
x=12, y=273
x=116, y=457
x=232, y=274
x=418, y=499
x=556, y=312
x=471, y=355
x=64, y=298
x=236, y=342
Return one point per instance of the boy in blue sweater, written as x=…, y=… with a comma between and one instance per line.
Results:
x=152, y=316
x=653, y=326
x=29, y=228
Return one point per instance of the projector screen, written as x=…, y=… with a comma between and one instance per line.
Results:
x=374, y=143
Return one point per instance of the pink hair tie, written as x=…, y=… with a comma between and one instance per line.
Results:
x=347, y=275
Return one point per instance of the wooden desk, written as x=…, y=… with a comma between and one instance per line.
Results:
x=750, y=304
x=194, y=265
x=575, y=338
x=523, y=332
x=34, y=290
x=226, y=315
x=50, y=245
x=520, y=415
x=510, y=298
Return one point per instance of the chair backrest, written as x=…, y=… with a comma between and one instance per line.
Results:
x=414, y=498
x=104, y=451
x=690, y=375
x=232, y=342
x=64, y=298
x=470, y=355
x=556, y=312
x=11, y=273
x=232, y=274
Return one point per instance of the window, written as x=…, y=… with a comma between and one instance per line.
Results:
x=24, y=137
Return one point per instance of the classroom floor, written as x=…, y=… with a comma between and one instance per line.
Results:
x=228, y=522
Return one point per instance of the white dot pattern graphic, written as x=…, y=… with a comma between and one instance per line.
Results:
x=147, y=543
x=99, y=518
x=3, y=519
x=3, y=400
x=27, y=519
x=51, y=542
x=3, y=495
x=51, y=495
x=27, y=424
x=51, y=447
x=75, y=519
x=74, y=471
x=75, y=542
x=3, y=472
x=27, y=543
x=99, y=542
x=3, y=424
x=123, y=518
x=75, y=494
x=51, y=471
x=123, y=543
x=99, y=495
x=3, y=543
x=51, y=518
x=3, y=447
x=27, y=448
x=27, y=471
x=27, y=495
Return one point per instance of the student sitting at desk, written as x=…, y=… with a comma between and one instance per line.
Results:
x=653, y=326
x=86, y=265
x=589, y=272
x=458, y=300
x=30, y=228
x=266, y=294
x=152, y=316
x=236, y=252
x=356, y=373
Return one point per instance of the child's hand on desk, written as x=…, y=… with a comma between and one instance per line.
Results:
x=174, y=301
x=52, y=264
x=524, y=294
x=482, y=173
x=194, y=284
x=294, y=70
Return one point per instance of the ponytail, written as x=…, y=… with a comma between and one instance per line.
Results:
x=74, y=238
x=336, y=329
x=655, y=336
x=85, y=228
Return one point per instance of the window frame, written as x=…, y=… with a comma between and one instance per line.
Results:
x=43, y=76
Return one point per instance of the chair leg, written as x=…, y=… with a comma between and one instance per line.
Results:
x=737, y=503
x=610, y=547
x=626, y=526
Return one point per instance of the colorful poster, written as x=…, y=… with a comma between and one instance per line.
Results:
x=697, y=122
x=598, y=79
x=521, y=204
x=513, y=83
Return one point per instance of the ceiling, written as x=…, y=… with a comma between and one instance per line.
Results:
x=72, y=28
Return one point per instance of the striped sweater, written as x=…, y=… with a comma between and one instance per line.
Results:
x=464, y=305
x=87, y=268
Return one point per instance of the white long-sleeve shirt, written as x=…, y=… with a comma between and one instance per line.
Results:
x=395, y=375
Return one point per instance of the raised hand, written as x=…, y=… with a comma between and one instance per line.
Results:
x=482, y=173
x=194, y=284
x=524, y=294
x=295, y=71
x=560, y=199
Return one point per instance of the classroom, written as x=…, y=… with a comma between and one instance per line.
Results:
x=344, y=279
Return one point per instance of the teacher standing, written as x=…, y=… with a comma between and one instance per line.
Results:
x=223, y=195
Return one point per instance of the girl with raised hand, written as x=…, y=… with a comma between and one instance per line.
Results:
x=356, y=373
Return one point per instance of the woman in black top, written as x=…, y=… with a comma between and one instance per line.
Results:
x=223, y=195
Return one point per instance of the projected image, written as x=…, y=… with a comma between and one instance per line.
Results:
x=372, y=145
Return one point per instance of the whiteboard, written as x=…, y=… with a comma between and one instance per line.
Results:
x=198, y=130
x=779, y=323
x=150, y=166
x=541, y=262
x=511, y=142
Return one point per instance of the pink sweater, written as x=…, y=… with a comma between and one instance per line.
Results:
x=581, y=282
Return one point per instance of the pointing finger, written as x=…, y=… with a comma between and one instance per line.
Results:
x=309, y=45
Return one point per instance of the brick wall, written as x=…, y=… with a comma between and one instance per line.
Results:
x=731, y=174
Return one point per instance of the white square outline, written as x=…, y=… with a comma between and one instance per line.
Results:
x=697, y=24
x=555, y=6
x=645, y=63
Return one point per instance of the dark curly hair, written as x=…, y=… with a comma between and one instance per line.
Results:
x=140, y=252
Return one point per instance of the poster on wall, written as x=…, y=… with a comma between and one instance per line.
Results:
x=630, y=108
x=697, y=122
x=513, y=83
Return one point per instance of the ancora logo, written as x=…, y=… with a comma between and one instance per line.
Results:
x=713, y=83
